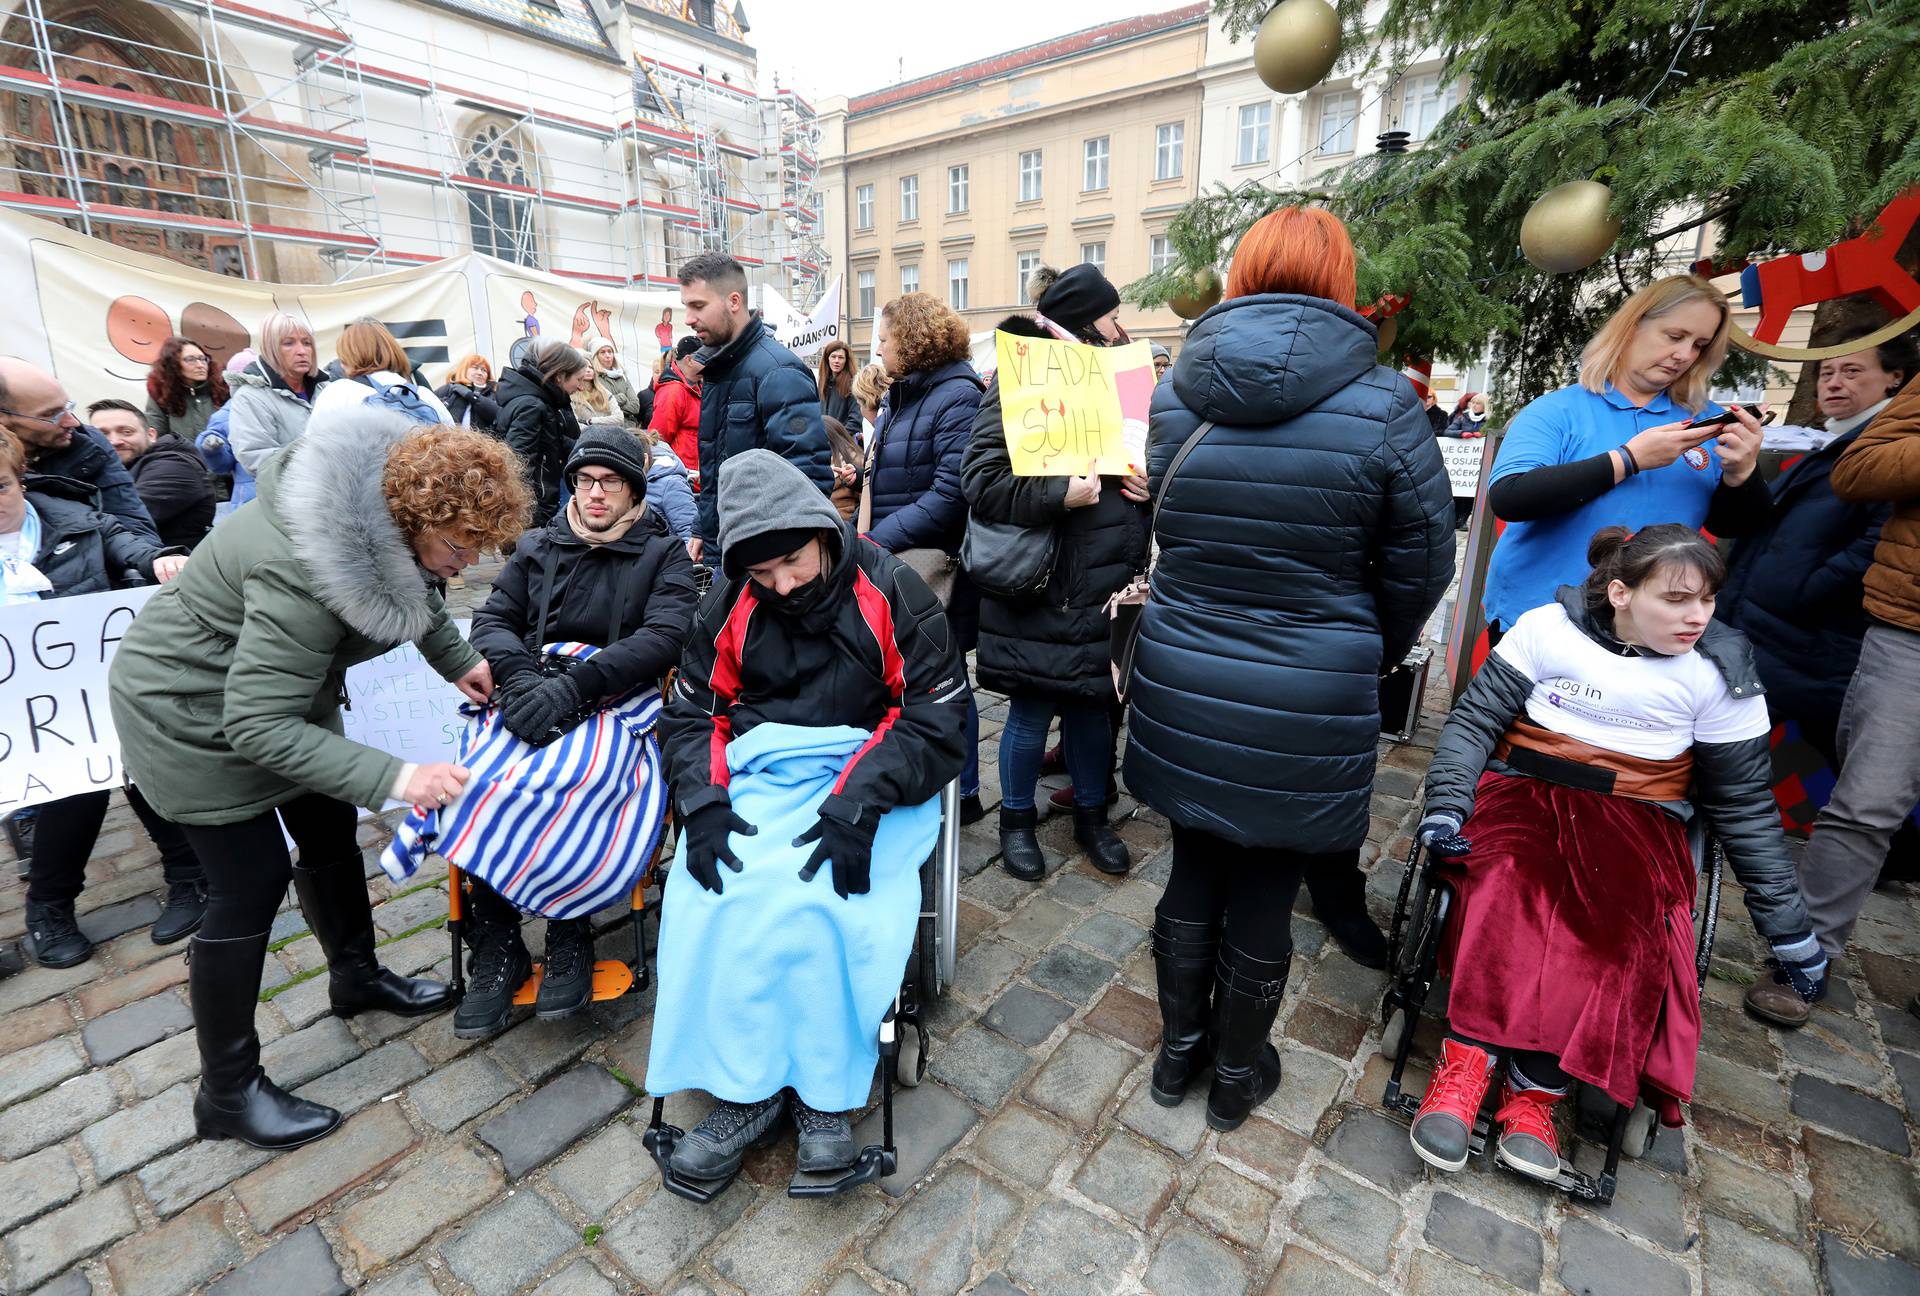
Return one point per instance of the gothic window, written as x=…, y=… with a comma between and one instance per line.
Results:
x=501, y=222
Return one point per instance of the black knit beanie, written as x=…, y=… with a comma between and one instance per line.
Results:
x=765, y=547
x=615, y=448
x=685, y=347
x=1078, y=297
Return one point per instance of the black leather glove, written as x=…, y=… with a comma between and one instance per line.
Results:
x=707, y=831
x=845, y=831
x=534, y=712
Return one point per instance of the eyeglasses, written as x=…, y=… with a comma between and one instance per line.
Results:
x=608, y=486
x=52, y=420
x=460, y=554
x=193, y=359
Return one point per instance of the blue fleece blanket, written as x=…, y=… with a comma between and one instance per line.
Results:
x=777, y=982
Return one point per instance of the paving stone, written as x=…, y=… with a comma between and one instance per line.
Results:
x=35, y=983
x=1841, y=1048
x=1759, y=1145
x=541, y=1126
x=1735, y=1088
x=931, y=1244
x=1023, y=1145
x=1730, y=1033
x=536, y=1049
x=1594, y=1262
x=1066, y=1251
x=984, y=969
x=1037, y=923
x=1645, y=1202
x=783, y=1247
x=1376, y=1148
x=404, y=913
x=1853, y=1271
x=1485, y=1240
x=438, y=1190
x=303, y=1055
x=1104, y=934
x=69, y=1106
x=998, y=889
x=847, y=1284
x=125, y=1030
x=304, y=1003
x=1072, y=973
x=1899, y=1027
x=1432, y=1275
x=296, y=1182
x=1864, y=1192
x=1080, y=1077
x=74, y=1282
x=1906, y=1066
x=176, y=1257
x=1134, y=1179
x=22, y=1028
x=286, y=925
x=1232, y=1205
x=102, y=997
x=1317, y=1026
x=103, y=924
x=1188, y=1261
x=179, y=1179
x=39, y=1250
x=1342, y=1216
x=456, y=1093
x=654, y=1241
x=1850, y=1112
x=410, y=1281
x=1267, y=1148
x=1302, y=1273
x=1080, y=892
x=996, y=1284
x=1129, y=1017
x=1343, y=984
x=1309, y=1084
x=1025, y=1015
x=605, y=1169
x=980, y=1065
x=368, y=1078
x=508, y=1245
x=129, y=1139
x=1738, y=1190
x=927, y=1120
x=35, y=1184
x=300, y=1264
x=1179, y=1129
x=1739, y=1262
x=31, y=1070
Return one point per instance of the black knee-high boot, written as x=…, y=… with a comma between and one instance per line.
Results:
x=235, y=1099
x=334, y=899
x=1183, y=959
x=1246, y=1068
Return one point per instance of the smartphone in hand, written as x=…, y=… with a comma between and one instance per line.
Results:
x=1718, y=421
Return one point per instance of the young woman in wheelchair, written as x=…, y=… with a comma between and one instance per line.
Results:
x=1556, y=813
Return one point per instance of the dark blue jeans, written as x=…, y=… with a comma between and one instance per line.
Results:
x=1086, y=741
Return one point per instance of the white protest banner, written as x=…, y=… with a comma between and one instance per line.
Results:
x=802, y=332
x=399, y=704
x=56, y=730
x=1462, y=458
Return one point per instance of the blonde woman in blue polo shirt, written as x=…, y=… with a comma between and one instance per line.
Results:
x=1618, y=448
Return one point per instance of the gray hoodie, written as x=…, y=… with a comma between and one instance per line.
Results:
x=761, y=492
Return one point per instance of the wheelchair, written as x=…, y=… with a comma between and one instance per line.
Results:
x=1419, y=924
x=929, y=971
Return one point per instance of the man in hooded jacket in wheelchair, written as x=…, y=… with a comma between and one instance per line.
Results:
x=820, y=708
x=1556, y=806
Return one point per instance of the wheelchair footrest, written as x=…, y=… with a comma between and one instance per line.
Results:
x=611, y=979
x=659, y=1141
x=873, y=1164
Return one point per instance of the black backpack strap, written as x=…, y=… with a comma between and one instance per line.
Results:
x=536, y=633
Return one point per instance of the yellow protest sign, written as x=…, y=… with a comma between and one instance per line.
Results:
x=1068, y=408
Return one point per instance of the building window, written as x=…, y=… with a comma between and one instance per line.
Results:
x=1159, y=253
x=1338, y=113
x=1025, y=263
x=501, y=223
x=1095, y=255
x=863, y=207
x=957, y=283
x=910, y=278
x=1424, y=102
x=1094, y=175
x=865, y=281
x=956, y=190
x=1256, y=131
x=1169, y=150
x=909, y=198
x=1030, y=176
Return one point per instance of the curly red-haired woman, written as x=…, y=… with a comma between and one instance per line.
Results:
x=184, y=388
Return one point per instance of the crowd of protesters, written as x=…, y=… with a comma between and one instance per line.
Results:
x=1291, y=533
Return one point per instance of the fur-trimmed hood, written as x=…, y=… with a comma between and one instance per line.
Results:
x=326, y=494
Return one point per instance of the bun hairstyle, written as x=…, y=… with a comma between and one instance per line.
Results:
x=1039, y=281
x=1631, y=557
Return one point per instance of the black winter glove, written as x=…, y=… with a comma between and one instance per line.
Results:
x=1439, y=832
x=534, y=711
x=707, y=831
x=845, y=831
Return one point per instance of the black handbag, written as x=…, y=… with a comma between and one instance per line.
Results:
x=1009, y=561
x=1124, y=634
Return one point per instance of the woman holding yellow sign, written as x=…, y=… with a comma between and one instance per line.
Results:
x=1049, y=653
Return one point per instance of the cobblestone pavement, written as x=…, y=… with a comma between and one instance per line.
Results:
x=1032, y=1157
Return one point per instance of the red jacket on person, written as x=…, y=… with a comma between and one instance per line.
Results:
x=676, y=420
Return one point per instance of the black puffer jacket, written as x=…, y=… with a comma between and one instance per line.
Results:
x=1732, y=782
x=1303, y=544
x=88, y=458
x=173, y=484
x=83, y=550
x=632, y=597
x=537, y=423
x=481, y=402
x=1060, y=646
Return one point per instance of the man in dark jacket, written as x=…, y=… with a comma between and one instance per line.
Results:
x=37, y=410
x=811, y=626
x=756, y=394
x=606, y=572
x=168, y=473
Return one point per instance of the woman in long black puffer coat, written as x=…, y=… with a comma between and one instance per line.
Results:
x=1304, y=541
x=1053, y=654
x=537, y=420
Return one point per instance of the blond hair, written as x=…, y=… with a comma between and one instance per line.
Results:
x=274, y=330
x=870, y=384
x=1601, y=359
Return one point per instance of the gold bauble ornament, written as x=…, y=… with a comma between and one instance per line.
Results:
x=1298, y=44
x=1389, y=333
x=1568, y=228
x=1201, y=295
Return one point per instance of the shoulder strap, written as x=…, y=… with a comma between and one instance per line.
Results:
x=536, y=633
x=1180, y=457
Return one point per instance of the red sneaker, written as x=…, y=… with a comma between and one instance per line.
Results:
x=1528, y=1141
x=1442, y=1131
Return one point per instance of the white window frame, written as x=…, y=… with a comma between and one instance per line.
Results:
x=1424, y=100
x=864, y=293
x=957, y=187
x=1169, y=150
x=909, y=198
x=909, y=278
x=1025, y=262
x=1096, y=163
x=1160, y=253
x=1331, y=143
x=1035, y=173
x=958, y=275
x=1253, y=140
x=1094, y=253
x=863, y=207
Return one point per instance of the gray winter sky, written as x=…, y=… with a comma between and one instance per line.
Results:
x=828, y=47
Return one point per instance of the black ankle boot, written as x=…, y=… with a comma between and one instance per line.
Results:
x=1339, y=894
x=334, y=899
x=1246, y=1068
x=1183, y=959
x=1102, y=845
x=1019, y=849
x=235, y=1098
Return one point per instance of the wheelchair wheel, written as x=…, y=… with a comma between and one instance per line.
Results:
x=911, y=1066
x=1398, y=1025
x=1641, y=1129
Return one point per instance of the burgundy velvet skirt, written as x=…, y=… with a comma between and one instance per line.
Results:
x=1571, y=933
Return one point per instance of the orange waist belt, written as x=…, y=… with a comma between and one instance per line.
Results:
x=1528, y=748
